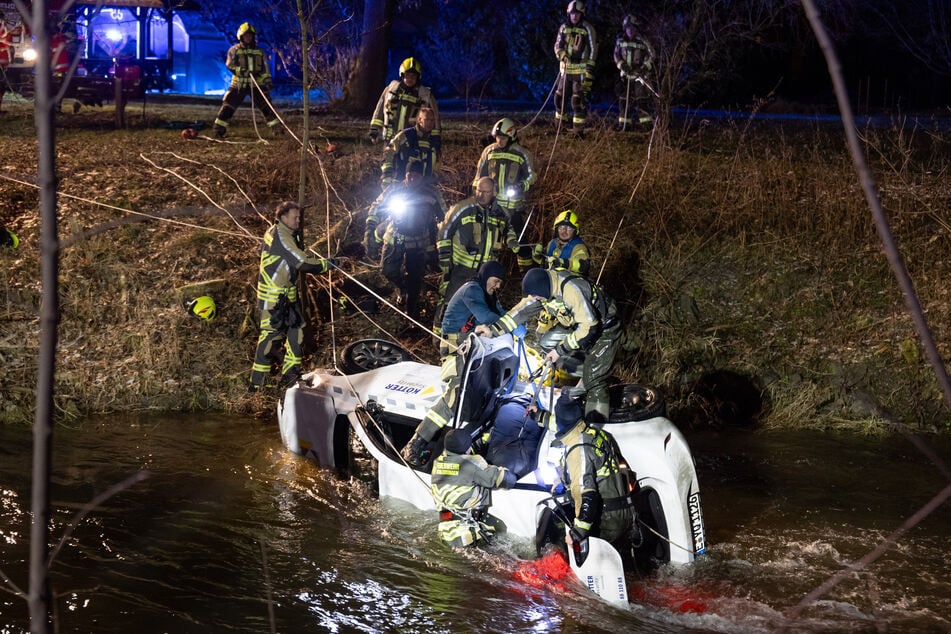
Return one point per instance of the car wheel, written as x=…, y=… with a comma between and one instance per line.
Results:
x=369, y=354
x=633, y=402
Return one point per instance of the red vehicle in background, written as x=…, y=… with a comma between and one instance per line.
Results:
x=105, y=43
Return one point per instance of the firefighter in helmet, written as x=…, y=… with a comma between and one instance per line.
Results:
x=400, y=102
x=634, y=59
x=282, y=260
x=566, y=251
x=576, y=48
x=510, y=166
x=251, y=77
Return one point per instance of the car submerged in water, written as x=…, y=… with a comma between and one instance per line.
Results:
x=383, y=395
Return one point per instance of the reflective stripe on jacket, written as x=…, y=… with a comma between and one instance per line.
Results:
x=576, y=303
x=508, y=166
x=471, y=235
x=281, y=259
x=464, y=482
x=246, y=62
x=398, y=106
x=580, y=44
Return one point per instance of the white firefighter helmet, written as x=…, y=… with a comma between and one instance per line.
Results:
x=505, y=127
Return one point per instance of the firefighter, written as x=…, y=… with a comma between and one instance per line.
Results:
x=400, y=102
x=414, y=143
x=576, y=48
x=590, y=468
x=589, y=315
x=510, y=166
x=566, y=251
x=251, y=77
x=282, y=260
x=462, y=486
x=475, y=303
x=634, y=59
x=411, y=211
x=471, y=233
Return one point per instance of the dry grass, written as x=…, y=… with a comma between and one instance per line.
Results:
x=747, y=247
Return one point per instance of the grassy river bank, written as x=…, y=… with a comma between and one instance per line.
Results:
x=753, y=284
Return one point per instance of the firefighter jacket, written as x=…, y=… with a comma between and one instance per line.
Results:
x=576, y=47
x=469, y=307
x=410, y=144
x=590, y=468
x=464, y=481
x=472, y=234
x=462, y=489
x=247, y=61
x=397, y=108
x=511, y=169
x=410, y=214
x=282, y=258
x=633, y=57
x=576, y=303
x=571, y=256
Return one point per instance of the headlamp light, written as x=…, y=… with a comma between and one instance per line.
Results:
x=397, y=206
x=546, y=474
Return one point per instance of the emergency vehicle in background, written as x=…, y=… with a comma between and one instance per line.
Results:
x=107, y=40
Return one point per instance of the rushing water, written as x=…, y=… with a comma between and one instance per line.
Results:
x=231, y=533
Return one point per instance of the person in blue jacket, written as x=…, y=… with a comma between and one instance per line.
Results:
x=474, y=303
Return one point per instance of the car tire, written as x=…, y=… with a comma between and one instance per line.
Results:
x=370, y=354
x=633, y=402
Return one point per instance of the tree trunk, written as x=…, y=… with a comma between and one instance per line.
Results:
x=366, y=81
x=44, y=102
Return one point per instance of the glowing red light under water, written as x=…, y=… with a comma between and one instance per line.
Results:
x=550, y=571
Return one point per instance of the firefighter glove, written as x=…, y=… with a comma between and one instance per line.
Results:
x=508, y=479
x=538, y=252
x=373, y=135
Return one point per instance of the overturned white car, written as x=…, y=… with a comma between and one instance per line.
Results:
x=384, y=404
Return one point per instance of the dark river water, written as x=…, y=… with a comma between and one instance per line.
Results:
x=231, y=533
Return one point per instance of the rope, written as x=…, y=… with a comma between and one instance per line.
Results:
x=203, y=193
x=640, y=179
x=554, y=144
x=130, y=211
x=667, y=539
